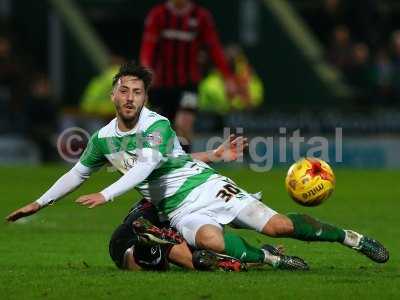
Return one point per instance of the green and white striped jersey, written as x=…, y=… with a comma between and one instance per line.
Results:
x=174, y=177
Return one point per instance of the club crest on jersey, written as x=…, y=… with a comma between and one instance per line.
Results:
x=154, y=139
x=129, y=162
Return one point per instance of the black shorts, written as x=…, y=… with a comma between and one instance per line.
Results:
x=124, y=237
x=167, y=101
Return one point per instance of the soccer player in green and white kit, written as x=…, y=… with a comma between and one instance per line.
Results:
x=198, y=201
x=128, y=247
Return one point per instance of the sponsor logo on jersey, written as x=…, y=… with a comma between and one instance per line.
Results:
x=154, y=139
x=180, y=35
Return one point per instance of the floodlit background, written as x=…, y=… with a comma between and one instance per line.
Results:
x=326, y=72
x=315, y=65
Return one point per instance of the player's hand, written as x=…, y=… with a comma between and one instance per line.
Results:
x=232, y=149
x=91, y=200
x=25, y=211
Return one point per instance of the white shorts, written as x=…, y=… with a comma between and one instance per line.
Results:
x=218, y=202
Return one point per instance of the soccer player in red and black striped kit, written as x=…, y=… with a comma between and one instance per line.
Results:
x=175, y=31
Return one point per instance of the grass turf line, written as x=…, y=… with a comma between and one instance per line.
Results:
x=62, y=251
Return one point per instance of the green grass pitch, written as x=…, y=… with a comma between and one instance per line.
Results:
x=62, y=251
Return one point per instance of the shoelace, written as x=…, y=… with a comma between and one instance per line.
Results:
x=164, y=233
x=171, y=234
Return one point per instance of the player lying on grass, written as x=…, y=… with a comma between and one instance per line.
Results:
x=198, y=201
x=143, y=241
x=129, y=245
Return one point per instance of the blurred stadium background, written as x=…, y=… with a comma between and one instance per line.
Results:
x=322, y=64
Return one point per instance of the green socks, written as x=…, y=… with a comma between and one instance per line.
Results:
x=237, y=247
x=307, y=228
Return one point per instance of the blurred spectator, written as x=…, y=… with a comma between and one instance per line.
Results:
x=12, y=89
x=368, y=22
x=360, y=73
x=95, y=108
x=328, y=16
x=96, y=99
x=174, y=33
x=250, y=92
x=339, y=52
x=364, y=20
x=355, y=14
x=26, y=103
x=395, y=45
x=42, y=115
x=383, y=71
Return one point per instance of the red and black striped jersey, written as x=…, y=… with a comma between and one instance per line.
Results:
x=171, y=42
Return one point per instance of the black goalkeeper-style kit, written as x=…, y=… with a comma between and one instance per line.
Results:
x=149, y=257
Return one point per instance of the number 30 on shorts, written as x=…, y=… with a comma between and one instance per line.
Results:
x=227, y=192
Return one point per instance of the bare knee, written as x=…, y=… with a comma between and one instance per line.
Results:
x=278, y=225
x=210, y=237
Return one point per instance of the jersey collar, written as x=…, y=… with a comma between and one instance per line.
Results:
x=142, y=116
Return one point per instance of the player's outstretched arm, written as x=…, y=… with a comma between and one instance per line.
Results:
x=63, y=186
x=25, y=211
x=147, y=161
x=231, y=150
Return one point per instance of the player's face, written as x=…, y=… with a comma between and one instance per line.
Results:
x=129, y=96
x=179, y=3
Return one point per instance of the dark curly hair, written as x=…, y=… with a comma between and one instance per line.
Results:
x=133, y=69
